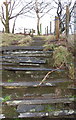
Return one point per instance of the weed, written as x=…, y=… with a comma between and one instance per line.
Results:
x=10, y=80
x=6, y=98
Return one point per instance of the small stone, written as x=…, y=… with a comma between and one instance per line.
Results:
x=48, y=84
x=71, y=112
x=47, y=114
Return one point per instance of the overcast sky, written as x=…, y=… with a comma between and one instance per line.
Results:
x=27, y=22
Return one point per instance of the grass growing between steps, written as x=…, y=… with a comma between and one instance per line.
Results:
x=14, y=39
x=62, y=55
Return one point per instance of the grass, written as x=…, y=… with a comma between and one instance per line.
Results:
x=51, y=39
x=14, y=39
x=62, y=52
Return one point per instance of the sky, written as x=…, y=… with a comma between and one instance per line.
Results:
x=30, y=23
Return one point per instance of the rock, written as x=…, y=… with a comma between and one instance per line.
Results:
x=30, y=108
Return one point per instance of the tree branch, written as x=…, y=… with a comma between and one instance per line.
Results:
x=49, y=73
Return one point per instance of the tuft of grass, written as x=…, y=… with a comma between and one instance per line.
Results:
x=50, y=37
x=25, y=41
x=62, y=56
x=6, y=98
x=49, y=46
x=47, y=37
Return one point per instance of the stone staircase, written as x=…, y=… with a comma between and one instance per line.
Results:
x=23, y=68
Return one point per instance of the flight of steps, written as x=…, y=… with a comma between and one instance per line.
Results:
x=23, y=69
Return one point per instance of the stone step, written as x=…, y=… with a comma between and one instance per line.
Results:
x=55, y=114
x=41, y=55
x=40, y=101
x=20, y=64
x=49, y=112
x=41, y=42
x=30, y=69
x=29, y=55
x=17, y=48
x=38, y=38
x=25, y=84
x=29, y=91
x=30, y=52
x=50, y=83
x=24, y=61
x=27, y=76
x=38, y=108
x=37, y=43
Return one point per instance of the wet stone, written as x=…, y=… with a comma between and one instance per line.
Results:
x=17, y=48
x=2, y=116
x=30, y=108
x=30, y=115
x=26, y=67
x=29, y=69
x=40, y=101
x=25, y=60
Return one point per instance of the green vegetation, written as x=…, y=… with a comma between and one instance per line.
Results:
x=72, y=96
x=49, y=108
x=49, y=46
x=6, y=98
x=62, y=57
x=50, y=37
x=10, y=80
x=14, y=39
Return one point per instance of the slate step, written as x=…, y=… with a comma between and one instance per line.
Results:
x=9, y=55
x=38, y=38
x=20, y=64
x=25, y=84
x=27, y=76
x=61, y=113
x=40, y=108
x=40, y=101
x=23, y=57
x=36, y=83
x=25, y=61
x=30, y=108
x=38, y=43
x=33, y=60
x=29, y=91
x=30, y=69
x=55, y=114
x=28, y=52
x=17, y=48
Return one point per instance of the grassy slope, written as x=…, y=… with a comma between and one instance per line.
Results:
x=14, y=39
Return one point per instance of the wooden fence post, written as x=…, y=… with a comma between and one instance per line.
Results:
x=67, y=22
x=24, y=31
x=57, y=33
x=40, y=28
x=75, y=33
x=75, y=19
x=47, y=30
x=50, y=27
